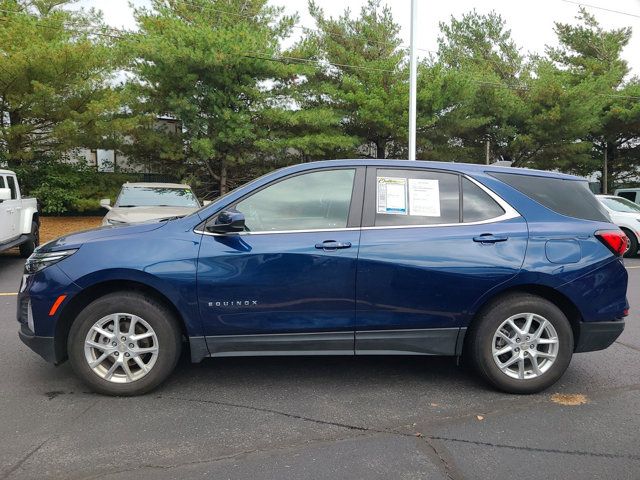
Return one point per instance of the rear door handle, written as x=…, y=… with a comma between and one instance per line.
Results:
x=332, y=245
x=490, y=238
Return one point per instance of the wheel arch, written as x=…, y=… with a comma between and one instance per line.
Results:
x=550, y=294
x=85, y=297
x=627, y=229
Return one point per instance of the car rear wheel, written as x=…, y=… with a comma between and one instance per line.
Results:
x=521, y=343
x=124, y=344
x=30, y=245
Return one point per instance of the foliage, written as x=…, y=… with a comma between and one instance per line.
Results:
x=363, y=78
x=241, y=105
x=54, y=73
x=62, y=186
x=592, y=57
x=205, y=63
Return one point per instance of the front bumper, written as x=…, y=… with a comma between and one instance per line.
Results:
x=598, y=335
x=43, y=346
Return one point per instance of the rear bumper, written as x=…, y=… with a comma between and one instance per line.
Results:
x=43, y=346
x=598, y=335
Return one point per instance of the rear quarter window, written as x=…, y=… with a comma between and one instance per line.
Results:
x=566, y=197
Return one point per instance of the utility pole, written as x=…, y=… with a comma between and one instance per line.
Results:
x=605, y=171
x=487, y=154
x=413, y=72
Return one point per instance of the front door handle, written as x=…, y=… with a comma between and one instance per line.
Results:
x=490, y=238
x=332, y=245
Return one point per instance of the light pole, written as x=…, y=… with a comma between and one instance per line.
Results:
x=413, y=71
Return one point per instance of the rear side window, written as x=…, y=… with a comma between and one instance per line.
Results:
x=566, y=197
x=414, y=197
x=628, y=195
x=477, y=205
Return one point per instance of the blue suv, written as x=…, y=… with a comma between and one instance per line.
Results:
x=512, y=269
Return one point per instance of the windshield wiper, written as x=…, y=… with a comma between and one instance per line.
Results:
x=167, y=219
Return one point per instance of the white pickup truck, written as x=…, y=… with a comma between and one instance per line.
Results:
x=19, y=219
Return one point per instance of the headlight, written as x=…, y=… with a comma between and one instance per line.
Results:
x=37, y=261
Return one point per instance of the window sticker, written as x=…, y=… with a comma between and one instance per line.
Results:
x=392, y=195
x=424, y=197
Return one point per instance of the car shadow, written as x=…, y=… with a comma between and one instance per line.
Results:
x=335, y=371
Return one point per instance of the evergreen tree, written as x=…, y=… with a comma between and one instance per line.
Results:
x=56, y=66
x=208, y=63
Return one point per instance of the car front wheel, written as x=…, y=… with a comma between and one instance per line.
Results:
x=521, y=343
x=632, y=244
x=124, y=344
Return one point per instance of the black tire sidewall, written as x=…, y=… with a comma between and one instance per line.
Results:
x=633, y=245
x=160, y=319
x=27, y=248
x=488, y=323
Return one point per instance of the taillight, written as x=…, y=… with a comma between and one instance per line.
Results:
x=614, y=240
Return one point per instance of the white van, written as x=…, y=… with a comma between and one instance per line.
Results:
x=632, y=194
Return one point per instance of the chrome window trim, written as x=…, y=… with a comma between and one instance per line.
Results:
x=509, y=213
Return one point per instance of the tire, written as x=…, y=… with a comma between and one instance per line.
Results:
x=484, y=340
x=161, y=346
x=30, y=245
x=632, y=251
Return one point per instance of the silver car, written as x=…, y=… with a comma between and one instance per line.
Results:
x=140, y=202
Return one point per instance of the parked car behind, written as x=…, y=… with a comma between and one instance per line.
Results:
x=514, y=270
x=632, y=194
x=140, y=202
x=19, y=217
x=625, y=214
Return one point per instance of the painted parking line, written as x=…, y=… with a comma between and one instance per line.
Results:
x=629, y=268
x=10, y=294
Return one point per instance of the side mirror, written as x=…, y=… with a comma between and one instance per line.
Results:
x=227, y=221
x=105, y=203
x=5, y=194
x=206, y=202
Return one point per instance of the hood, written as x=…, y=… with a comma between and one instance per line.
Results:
x=76, y=239
x=623, y=215
x=144, y=214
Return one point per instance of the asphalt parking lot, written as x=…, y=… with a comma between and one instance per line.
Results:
x=334, y=418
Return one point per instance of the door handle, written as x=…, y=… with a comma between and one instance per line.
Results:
x=490, y=238
x=332, y=245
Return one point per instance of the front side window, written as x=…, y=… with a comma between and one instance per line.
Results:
x=12, y=186
x=311, y=201
x=414, y=197
x=2, y=182
x=156, y=197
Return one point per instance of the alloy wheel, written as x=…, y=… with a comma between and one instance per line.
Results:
x=121, y=348
x=525, y=346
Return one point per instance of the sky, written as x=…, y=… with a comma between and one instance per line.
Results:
x=531, y=23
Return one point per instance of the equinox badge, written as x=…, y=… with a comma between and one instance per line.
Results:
x=234, y=303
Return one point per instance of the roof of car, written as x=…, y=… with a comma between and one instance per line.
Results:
x=3, y=172
x=453, y=166
x=156, y=185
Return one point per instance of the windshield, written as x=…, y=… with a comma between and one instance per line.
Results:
x=156, y=197
x=620, y=204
